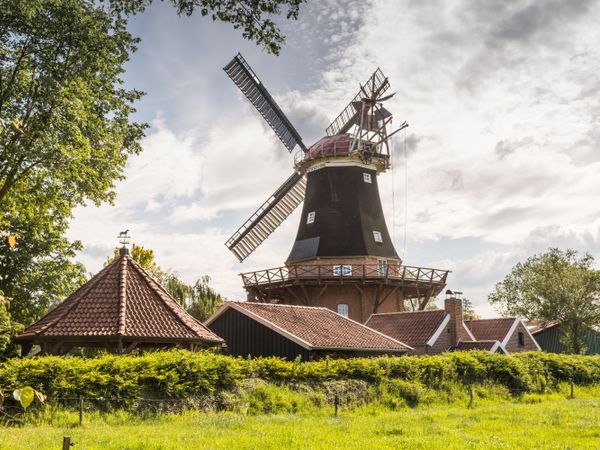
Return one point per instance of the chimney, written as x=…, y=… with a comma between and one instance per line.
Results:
x=453, y=306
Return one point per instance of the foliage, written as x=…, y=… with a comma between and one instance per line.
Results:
x=200, y=300
x=65, y=136
x=182, y=374
x=8, y=330
x=468, y=310
x=253, y=17
x=555, y=285
x=26, y=395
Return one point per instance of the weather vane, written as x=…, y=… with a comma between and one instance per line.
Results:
x=124, y=238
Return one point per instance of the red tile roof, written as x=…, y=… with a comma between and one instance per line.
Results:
x=121, y=300
x=319, y=328
x=414, y=328
x=475, y=345
x=490, y=329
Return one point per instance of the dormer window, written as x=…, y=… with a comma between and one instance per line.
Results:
x=377, y=236
x=311, y=217
x=367, y=177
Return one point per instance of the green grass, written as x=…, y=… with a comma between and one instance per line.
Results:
x=533, y=421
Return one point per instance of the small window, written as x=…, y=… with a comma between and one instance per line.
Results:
x=366, y=177
x=342, y=309
x=377, y=236
x=342, y=270
x=310, y=218
x=521, y=337
x=382, y=267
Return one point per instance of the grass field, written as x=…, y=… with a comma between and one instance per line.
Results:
x=541, y=422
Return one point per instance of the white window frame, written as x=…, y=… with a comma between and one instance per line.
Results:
x=342, y=270
x=343, y=309
x=367, y=177
x=382, y=267
x=310, y=218
x=377, y=236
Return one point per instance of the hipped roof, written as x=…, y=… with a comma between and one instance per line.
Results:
x=416, y=328
x=121, y=301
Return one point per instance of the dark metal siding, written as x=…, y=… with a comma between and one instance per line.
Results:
x=348, y=210
x=245, y=336
x=549, y=340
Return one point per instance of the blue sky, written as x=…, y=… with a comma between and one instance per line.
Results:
x=501, y=159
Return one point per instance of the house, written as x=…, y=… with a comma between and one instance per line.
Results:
x=289, y=331
x=549, y=336
x=121, y=308
x=428, y=332
x=511, y=332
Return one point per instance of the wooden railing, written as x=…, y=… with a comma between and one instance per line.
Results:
x=341, y=272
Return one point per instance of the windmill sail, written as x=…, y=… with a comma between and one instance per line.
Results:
x=378, y=83
x=268, y=217
x=245, y=78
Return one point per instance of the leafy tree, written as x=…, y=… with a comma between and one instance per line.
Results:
x=253, y=17
x=556, y=285
x=65, y=135
x=203, y=301
x=468, y=310
x=8, y=330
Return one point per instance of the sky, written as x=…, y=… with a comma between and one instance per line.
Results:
x=501, y=159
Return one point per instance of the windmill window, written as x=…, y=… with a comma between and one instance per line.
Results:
x=377, y=236
x=311, y=217
x=382, y=267
x=366, y=177
x=521, y=338
x=342, y=270
x=342, y=309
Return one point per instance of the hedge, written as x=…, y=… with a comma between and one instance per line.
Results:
x=181, y=374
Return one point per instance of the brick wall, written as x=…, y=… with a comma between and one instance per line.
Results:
x=513, y=343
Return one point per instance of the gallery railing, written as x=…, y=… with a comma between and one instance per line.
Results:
x=344, y=272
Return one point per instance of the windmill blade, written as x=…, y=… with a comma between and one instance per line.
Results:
x=268, y=217
x=346, y=119
x=245, y=78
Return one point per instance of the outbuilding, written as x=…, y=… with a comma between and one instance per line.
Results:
x=289, y=331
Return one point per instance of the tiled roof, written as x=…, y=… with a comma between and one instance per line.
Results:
x=121, y=300
x=475, y=345
x=414, y=328
x=490, y=329
x=320, y=328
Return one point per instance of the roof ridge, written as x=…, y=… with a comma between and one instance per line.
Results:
x=122, y=295
x=409, y=312
x=280, y=305
x=76, y=297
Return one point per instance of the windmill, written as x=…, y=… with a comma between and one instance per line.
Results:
x=367, y=143
x=342, y=231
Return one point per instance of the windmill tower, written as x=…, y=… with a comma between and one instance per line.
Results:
x=343, y=257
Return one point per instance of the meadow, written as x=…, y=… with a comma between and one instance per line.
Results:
x=548, y=421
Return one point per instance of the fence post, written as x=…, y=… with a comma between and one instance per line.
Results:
x=572, y=393
x=336, y=403
x=67, y=443
x=80, y=410
x=470, y=396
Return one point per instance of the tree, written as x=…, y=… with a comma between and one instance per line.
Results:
x=253, y=17
x=65, y=136
x=468, y=310
x=8, y=331
x=556, y=285
x=204, y=301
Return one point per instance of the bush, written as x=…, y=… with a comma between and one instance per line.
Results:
x=182, y=374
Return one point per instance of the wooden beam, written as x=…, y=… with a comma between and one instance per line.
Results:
x=130, y=347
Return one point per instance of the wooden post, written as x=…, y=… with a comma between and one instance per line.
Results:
x=67, y=443
x=336, y=403
x=80, y=410
x=572, y=393
x=470, y=396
